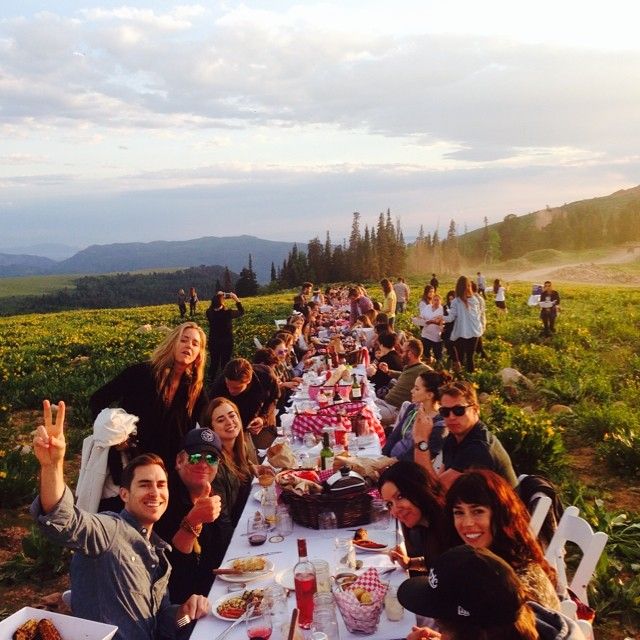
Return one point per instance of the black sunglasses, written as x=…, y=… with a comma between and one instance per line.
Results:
x=458, y=410
x=209, y=458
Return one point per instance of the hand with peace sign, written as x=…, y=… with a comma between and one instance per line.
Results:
x=48, y=442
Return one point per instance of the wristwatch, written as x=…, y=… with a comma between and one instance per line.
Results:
x=423, y=445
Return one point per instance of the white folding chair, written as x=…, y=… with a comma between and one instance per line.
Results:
x=280, y=323
x=543, y=504
x=573, y=528
x=257, y=342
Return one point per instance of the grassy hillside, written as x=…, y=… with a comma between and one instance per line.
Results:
x=34, y=285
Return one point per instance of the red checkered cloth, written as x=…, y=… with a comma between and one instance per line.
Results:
x=359, y=617
x=337, y=416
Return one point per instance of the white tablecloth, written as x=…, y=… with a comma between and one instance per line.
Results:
x=320, y=544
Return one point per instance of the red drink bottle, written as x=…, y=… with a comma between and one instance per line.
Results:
x=304, y=576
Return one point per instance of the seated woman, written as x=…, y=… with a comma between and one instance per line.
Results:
x=235, y=474
x=417, y=501
x=482, y=510
x=385, y=352
x=474, y=594
x=425, y=396
x=166, y=393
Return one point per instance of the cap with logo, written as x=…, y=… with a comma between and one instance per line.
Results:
x=465, y=584
x=198, y=440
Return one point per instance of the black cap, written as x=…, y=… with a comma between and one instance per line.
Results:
x=198, y=440
x=466, y=584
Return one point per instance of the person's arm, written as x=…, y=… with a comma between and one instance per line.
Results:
x=453, y=311
x=49, y=447
x=205, y=509
x=110, y=392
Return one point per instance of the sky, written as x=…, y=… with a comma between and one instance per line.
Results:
x=159, y=120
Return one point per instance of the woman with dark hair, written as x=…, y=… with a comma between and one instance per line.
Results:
x=425, y=394
x=166, y=393
x=235, y=473
x=386, y=352
x=417, y=501
x=448, y=327
x=466, y=312
x=221, y=330
x=482, y=510
x=431, y=319
x=390, y=300
x=193, y=301
x=500, y=293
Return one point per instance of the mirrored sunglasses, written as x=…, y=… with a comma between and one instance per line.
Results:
x=209, y=458
x=458, y=410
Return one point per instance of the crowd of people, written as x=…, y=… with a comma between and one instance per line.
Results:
x=449, y=482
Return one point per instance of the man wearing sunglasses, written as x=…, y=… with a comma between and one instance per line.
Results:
x=195, y=522
x=469, y=443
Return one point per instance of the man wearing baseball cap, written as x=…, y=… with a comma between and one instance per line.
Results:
x=195, y=522
x=471, y=593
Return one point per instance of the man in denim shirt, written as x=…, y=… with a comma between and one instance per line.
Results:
x=120, y=572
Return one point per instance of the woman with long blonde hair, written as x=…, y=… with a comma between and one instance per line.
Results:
x=233, y=480
x=166, y=393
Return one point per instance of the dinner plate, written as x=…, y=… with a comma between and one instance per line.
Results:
x=258, y=495
x=247, y=576
x=366, y=549
x=285, y=579
x=221, y=600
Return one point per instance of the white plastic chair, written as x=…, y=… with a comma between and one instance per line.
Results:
x=573, y=528
x=280, y=323
x=543, y=504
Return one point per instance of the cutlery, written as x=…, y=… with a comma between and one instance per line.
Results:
x=183, y=622
x=269, y=553
x=247, y=614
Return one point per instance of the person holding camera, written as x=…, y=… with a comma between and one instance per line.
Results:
x=221, y=330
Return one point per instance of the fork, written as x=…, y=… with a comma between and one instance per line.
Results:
x=183, y=622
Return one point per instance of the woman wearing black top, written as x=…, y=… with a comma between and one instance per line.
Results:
x=221, y=330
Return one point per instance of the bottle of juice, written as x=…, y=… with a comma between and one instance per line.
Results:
x=304, y=577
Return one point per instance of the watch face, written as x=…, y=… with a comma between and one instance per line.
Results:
x=423, y=446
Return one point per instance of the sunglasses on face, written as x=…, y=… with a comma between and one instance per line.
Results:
x=458, y=410
x=210, y=458
x=281, y=352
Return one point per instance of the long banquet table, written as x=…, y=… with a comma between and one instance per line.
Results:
x=320, y=545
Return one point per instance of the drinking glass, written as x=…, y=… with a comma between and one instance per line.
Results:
x=309, y=440
x=284, y=523
x=327, y=520
x=259, y=627
x=379, y=514
x=323, y=575
x=257, y=531
x=345, y=555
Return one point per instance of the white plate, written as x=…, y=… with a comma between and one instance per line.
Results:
x=258, y=495
x=248, y=576
x=219, y=601
x=379, y=550
x=285, y=579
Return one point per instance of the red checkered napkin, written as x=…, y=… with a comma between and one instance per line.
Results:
x=359, y=617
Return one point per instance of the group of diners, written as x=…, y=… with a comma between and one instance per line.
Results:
x=434, y=487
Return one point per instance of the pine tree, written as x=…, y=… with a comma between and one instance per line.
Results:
x=226, y=280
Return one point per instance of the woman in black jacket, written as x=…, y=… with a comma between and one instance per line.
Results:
x=221, y=330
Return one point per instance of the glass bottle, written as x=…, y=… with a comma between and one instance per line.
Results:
x=326, y=453
x=304, y=577
x=356, y=389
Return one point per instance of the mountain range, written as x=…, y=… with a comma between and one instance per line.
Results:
x=232, y=252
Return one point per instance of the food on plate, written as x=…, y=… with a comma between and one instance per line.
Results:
x=27, y=630
x=252, y=563
x=346, y=579
x=360, y=534
x=235, y=606
x=369, y=544
x=47, y=630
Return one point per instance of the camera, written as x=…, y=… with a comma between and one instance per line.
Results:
x=227, y=295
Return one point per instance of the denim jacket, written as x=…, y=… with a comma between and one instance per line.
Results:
x=118, y=575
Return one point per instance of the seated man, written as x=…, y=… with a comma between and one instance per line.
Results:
x=469, y=443
x=119, y=571
x=195, y=523
x=401, y=391
x=254, y=389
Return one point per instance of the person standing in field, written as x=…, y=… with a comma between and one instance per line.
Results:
x=500, y=293
x=390, y=301
x=402, y=294
x=549, y=307
x=481, y=281
x=182, y=302
x=221, y=330
x=434, y=282
x=193, y=301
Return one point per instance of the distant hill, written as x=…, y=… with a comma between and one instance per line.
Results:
x=232, y=252
x=24, y=264
x=53, y=250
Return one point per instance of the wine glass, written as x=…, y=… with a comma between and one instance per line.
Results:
x=259, y=626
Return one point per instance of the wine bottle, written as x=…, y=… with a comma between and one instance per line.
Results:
x=356, y=389
x=304, y=577
x=337, y=398
x=326, y=453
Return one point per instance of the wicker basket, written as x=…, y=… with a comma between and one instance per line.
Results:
x=352, y=509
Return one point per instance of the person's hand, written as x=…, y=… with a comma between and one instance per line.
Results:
x=262, y=470
x=399, y=557
x=422, y=426
x=48, y=441
x=205, y=509
x=256, y=425
x=291, y=384
x=384, y=367
x=423, y=633
x=195, y=607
